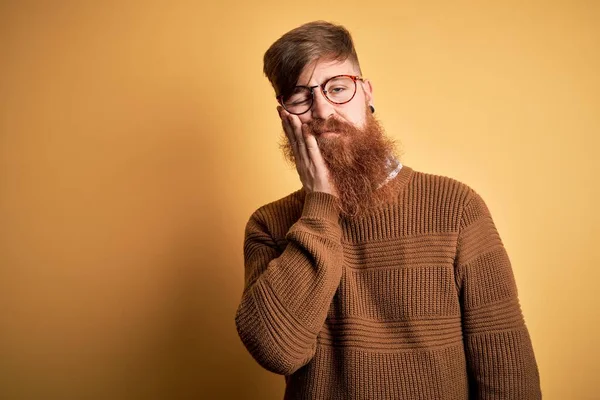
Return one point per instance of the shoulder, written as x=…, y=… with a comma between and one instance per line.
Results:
x=439, y=186
x=450, y=194
x=443, y=195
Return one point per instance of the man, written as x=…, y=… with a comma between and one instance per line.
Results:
x=373, y=281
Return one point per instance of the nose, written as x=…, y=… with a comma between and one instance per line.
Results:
x=321, y=108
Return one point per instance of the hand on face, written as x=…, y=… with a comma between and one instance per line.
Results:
x=311, y=167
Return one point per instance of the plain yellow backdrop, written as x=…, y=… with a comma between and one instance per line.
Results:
x=136, y=138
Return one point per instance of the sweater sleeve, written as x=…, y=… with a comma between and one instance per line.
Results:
x=500, y=359
x=287, y=296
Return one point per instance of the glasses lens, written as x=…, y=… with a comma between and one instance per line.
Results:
x=299, y=101
x=340, y=89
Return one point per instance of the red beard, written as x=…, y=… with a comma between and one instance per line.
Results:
x=358, y=161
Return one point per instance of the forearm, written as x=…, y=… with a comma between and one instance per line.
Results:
x=499, y=352
x=287, y=297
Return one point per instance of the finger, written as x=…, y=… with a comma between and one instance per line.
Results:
x=312, y=147
x=297, y=131
x=288, y=130
x=285, y=122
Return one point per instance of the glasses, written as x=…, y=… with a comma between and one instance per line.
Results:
x=339, y=89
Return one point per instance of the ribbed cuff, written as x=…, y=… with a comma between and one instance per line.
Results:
x=321, y=205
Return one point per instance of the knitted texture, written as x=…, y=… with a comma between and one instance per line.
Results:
x=416, y=300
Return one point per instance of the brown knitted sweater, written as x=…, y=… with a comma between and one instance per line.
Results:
x=416, y=300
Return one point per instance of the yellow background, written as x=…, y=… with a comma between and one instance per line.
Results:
x=137, y=138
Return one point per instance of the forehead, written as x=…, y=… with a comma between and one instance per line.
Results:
x=317, y=72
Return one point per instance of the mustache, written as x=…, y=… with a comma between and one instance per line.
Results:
x=331, y=124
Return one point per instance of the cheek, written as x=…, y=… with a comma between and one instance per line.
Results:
x=355, y=114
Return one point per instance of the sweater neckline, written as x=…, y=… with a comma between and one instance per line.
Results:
x=403, y=177
x=400, y=181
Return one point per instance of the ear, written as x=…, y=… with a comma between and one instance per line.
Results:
x=368, y=89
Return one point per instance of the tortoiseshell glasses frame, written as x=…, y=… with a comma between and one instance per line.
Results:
x=339, y=89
